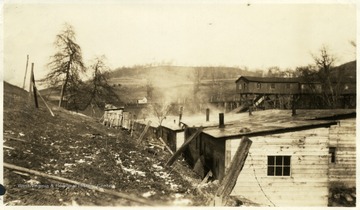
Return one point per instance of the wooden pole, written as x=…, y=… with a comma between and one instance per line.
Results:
x=31, y=75
x=207, y=114
x=47, y=106
x=180, y=114
x=183, y=146
x=34, y=86
x=88, y=186
x=293, y=105
x=229, y=181
x=27, y=62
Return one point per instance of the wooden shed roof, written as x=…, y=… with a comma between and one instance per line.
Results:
x=267, y=121
x=251, y=128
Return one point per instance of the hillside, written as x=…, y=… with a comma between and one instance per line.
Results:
x=77, y=147
x=174, y=75
x=347, y=70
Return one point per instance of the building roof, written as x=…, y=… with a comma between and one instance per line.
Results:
x=269, y=79
x=272, y=127
x=292, y=80
x=273, y=121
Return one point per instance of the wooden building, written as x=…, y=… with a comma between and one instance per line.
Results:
x=342, y=150
x=275, y=92
x=267, y=85
x=293, y=160
x=113, y=116
x=173, y=135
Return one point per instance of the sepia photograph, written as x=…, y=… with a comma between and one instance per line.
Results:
x=178, y=103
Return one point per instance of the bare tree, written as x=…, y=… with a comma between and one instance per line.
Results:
x=274, y=71
x=100, y=90
x=324, y=62
x=149, y=88
x=161, y=111
x=67, y=63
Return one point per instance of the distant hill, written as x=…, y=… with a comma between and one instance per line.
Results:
x=347, y=70
x=176, y=75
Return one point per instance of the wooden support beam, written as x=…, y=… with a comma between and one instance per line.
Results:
x=183, y=147
x=47, y=106
x=88, y=186
x=12, y=138
x=7, y=147
x=144, y=131
x=229, y=181
x=206, y=177
x=167, y=147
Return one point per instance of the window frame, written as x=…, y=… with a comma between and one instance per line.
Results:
x=275, y=166
x=258, y=85
x=272, y=86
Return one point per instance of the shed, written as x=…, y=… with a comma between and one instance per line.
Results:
x=289, y=162
x=113, y=116
x=170, y=131
x=173, y=135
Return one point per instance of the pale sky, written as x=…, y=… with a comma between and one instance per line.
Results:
x=190, y=34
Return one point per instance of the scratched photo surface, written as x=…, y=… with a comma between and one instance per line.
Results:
x=154, y=103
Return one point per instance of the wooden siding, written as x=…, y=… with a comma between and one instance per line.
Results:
x=343, y=138
x=265, y=87
x=192, y=152
x=213, y=152
x=113, y=118
x=307, y=184
x=180, y=139
x=169, y=136
x=280, y=86
x=152, y=131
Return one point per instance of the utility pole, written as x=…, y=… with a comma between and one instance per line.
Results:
x=27, y=62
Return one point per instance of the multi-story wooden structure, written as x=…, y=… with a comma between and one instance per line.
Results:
x=282, y=92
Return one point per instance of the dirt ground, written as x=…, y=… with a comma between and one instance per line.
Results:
x=79, y=148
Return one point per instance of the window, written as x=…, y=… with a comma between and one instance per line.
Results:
x=272, y=86
x=288, y=85
x=238, y=86
x=245, y=85
x=258, y=85
x=332, y=152
x=278, y=166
